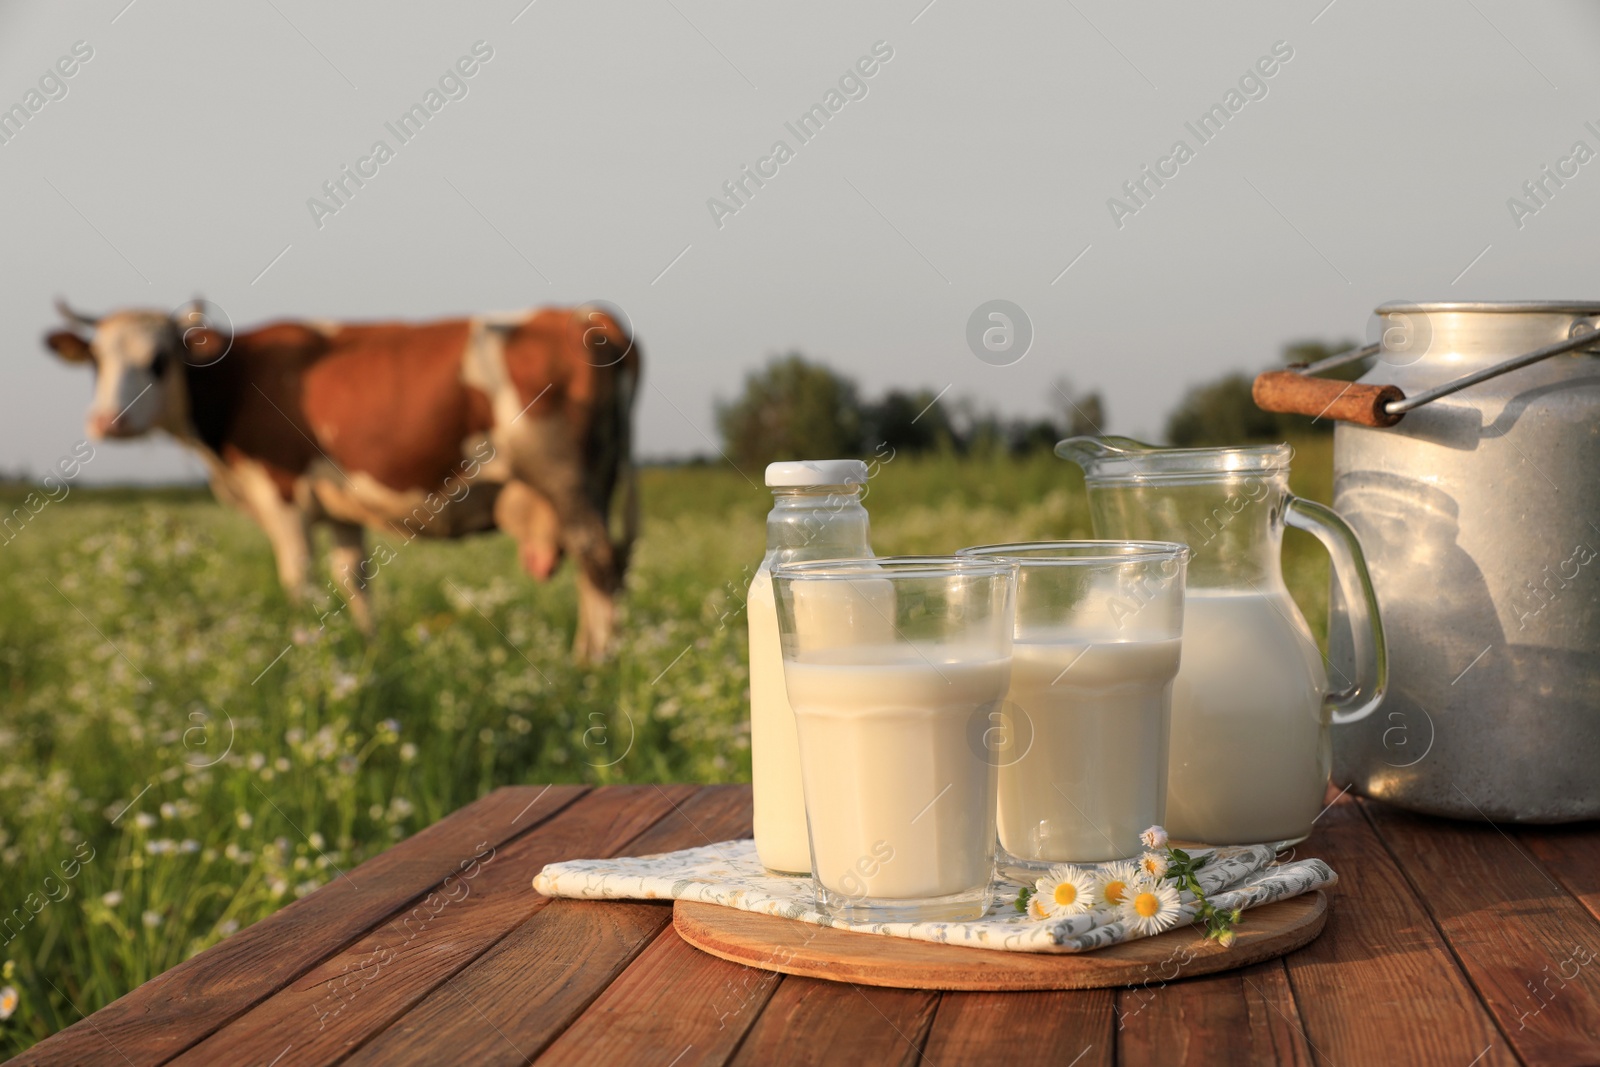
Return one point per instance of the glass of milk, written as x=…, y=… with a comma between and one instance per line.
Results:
x=894, y=668
x=1083, y=733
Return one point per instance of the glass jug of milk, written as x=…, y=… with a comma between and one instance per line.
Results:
x=1249, y=751
x=816, y=514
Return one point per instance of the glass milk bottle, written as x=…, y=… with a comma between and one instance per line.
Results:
x=1249, y=751
x=816, y=514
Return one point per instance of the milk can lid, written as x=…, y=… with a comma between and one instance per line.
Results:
x=816, y=472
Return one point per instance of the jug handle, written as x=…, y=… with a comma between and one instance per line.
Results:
x=1359, y=699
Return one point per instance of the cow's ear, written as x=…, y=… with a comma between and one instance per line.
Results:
x=69, y=346
x=204, y=345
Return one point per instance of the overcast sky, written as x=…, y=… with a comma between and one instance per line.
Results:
x=975, y=163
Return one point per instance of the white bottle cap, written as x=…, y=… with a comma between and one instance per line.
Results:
x=816, y=472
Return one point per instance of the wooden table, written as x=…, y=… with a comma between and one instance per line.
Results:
x=423, y=956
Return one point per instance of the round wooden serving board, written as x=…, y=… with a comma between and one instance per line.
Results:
x=775, y=944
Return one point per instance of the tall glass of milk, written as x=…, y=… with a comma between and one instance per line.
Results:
x=1083, y=731
x=816, y=514
x=893, y=668
x=1252, y=703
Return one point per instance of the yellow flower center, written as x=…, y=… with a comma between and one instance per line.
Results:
x=1066, y=894
x=1114, y=891
x=1147, y=905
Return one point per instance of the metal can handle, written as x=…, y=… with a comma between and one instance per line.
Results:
x=1360, y=697
x=1299, y=392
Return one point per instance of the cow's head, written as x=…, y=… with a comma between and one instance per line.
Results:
x=138, y=358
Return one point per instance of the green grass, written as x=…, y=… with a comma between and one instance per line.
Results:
x=158, y=750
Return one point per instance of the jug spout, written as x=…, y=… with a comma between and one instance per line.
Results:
x=1089, y=452
x=1107, y=460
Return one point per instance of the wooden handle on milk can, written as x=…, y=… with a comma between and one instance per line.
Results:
x=1298, y=394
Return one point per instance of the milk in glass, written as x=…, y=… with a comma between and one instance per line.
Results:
x=901, y=800
x=834, y=611
x=1083, y=755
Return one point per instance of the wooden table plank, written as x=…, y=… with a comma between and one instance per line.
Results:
x=688, y=1007
x=510, y=1004
x=175, y=1010
x=1379, y=985
x=1240, y=1017
x=1572, y=856
x=1048, y=1029
x=1530, y=947
x=323, y=1015
x=809, y=1021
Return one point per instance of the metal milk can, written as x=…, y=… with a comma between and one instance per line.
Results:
x=1468, y=461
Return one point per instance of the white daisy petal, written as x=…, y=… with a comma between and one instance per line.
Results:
x=1150, y=907
x=1065, y=890
x=1153, y=865
x=1113, y=879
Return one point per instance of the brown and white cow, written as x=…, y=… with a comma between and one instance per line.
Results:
x=522, y=422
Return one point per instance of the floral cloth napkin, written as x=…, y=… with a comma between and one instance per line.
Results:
x=728, y=873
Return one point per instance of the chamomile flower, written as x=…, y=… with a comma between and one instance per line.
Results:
x=1149, y=907
x=1153, y=865
x=1113, y=881
x=1154, y=837
x=1064, y=890
x=8, y=1002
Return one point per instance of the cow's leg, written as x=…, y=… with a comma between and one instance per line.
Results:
x=528, y=518
x=291, y=549
x=597, y=610
x=544, y=456
x=286, y=525
x=346, y=557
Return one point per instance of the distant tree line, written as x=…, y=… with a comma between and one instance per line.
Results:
x=794, y=408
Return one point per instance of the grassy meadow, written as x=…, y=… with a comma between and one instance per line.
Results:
x=182, y=751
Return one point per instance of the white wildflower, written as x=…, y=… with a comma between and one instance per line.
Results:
x=1149, y=908
x=1153, y=865
x=1064, y=890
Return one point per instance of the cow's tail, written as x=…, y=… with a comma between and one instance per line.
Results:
x=606, y=338
x=627, y=474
